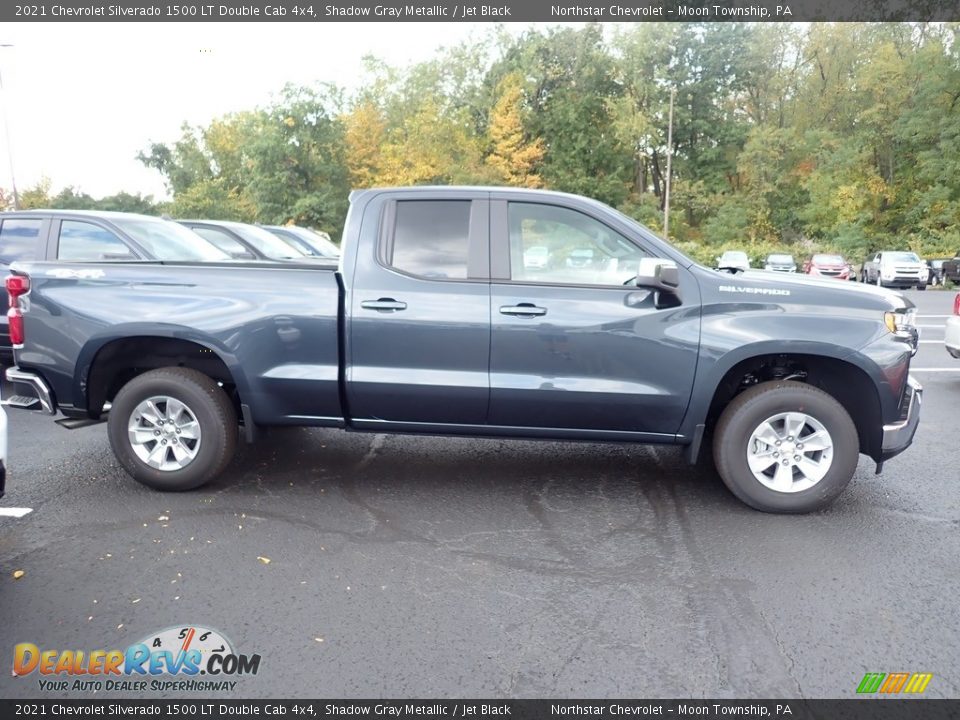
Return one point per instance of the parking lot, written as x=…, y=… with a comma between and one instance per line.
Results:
x=391, y=566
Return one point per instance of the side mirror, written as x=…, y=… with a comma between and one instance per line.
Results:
x=658, y=273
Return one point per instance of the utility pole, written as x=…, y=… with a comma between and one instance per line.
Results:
x=666, y=192
x=6, y=129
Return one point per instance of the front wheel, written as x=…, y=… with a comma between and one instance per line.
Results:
x=879, y=281
x=172, y=428
x=922, y=287
x=786, y=447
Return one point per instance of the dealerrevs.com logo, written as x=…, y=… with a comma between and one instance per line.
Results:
x=172, y=659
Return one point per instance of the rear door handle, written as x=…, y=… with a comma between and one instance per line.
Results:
x=383, y=305
x=522, y=310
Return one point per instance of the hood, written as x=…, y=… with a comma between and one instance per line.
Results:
x=772, y=285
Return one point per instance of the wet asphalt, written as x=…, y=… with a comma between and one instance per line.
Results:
x=436, y=567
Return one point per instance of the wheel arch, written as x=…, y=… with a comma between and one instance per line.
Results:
x=108, y=363
x=830, y=368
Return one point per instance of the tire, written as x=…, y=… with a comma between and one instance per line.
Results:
x=735, y=445
x=206, y=413
x=879, y=281
x=922, y=287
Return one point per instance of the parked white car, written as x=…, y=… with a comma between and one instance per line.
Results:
x=3, y=449
x=952, y=332
x=733, y=260
x=536, y=257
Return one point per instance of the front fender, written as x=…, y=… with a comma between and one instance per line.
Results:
x=731, y=335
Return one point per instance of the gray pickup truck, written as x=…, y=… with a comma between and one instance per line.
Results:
x=437, y=319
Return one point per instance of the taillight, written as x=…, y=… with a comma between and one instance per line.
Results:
x=956, y=305
x=17, y=285
x=15, y=320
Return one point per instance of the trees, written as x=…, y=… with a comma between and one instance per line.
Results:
x=831, y=135
x=514, y=157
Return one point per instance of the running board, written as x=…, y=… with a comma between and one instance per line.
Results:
x=74, y=423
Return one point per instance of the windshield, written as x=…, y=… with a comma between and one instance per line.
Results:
x=780, y=259
x=323, y=245
x=901, y=257
x=828, y=260
x=267, y=243
x=166, y=240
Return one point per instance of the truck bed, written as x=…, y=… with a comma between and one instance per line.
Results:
x=278, y=337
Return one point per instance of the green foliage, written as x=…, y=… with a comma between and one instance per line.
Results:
x=799, y=138
x=71, y=198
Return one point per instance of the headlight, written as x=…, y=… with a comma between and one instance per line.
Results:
x=901, y=321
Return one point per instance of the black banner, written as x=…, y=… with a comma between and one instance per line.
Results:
x=859, y=709
x=488, y=11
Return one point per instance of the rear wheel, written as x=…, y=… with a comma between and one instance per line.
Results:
x=786, y=447
x=173, y=428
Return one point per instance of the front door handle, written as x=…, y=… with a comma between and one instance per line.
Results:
x=383, y=305
x=522, y=310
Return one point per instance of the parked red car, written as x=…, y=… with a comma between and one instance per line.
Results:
x=833, y=266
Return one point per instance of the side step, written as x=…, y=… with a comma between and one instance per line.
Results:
x=24, y=402
x=74, y=423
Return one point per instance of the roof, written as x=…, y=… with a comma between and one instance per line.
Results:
x=102, y=214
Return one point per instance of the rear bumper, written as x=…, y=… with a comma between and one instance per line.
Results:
x=898, y=436
x=37, y=384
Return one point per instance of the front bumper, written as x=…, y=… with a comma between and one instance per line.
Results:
x=902, y=281
x=836, y=275
x=898, y=436
x=952, y=336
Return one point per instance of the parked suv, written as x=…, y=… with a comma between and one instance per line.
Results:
x=779, y=262
x=733, y=260
x=831, y=266
x=92, y=236
x=936, y=271
x=951, y=269
x=895, y=268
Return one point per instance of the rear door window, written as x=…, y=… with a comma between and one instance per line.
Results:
x=19, y=239
x=431, y=238
x=83, y=241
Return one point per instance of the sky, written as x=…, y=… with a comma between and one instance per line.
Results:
x=82, y=99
